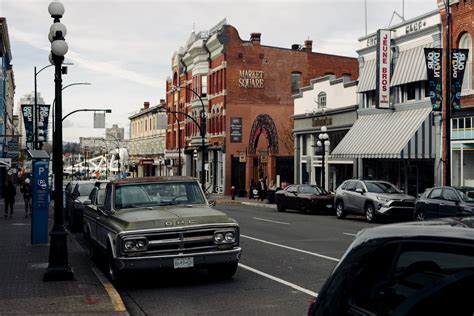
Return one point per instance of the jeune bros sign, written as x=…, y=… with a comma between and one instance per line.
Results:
x=383, y=69
x=249, y=79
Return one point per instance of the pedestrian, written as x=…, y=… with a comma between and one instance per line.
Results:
x=10, y=192
x=27, y=195
x=252, y=188
x=262, y=189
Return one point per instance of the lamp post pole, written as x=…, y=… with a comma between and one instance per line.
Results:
x=58, y=267
x=35, y=111
x=323, y=142
x=202, y=128
x=447, y=103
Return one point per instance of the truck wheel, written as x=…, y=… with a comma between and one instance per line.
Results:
x=223, y=271
x=112, y=272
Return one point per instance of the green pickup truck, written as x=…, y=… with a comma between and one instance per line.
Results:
x=160, y=222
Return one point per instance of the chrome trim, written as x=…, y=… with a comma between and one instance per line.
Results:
x=211, y=253
x=177, y=229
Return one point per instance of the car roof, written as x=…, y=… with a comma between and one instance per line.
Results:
x=456, y=228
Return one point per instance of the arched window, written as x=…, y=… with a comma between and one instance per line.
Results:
x=466, y=42
x=321, y=100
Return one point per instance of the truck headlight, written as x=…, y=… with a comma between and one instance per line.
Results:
x=224, y=237
x=135, y=244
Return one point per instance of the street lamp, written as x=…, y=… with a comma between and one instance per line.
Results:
x=58, y=267
x=202, y=129
x=324, y=143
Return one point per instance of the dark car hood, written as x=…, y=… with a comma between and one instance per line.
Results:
x=168, y=216
x=396, y=196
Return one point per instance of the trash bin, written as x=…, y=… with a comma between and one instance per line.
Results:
x=271, y=197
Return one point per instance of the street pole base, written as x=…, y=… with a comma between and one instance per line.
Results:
x=58, y=268
x=58, y=274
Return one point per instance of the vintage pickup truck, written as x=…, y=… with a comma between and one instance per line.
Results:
x=160, y=222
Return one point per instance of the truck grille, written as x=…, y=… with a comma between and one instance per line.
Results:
x=186, y=241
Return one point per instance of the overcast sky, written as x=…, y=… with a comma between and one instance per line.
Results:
x=124, y=47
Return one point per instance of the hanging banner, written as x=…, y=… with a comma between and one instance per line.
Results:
x=434, y=69
x=43, y=113
x=383, y=69
x=27, y=111
x=458, y=65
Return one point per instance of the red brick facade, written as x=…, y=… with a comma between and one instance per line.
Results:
x=268, y=97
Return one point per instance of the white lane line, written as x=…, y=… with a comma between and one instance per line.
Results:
x=349, y=234
x=291, y=248
x=271, y=221
x=274, y=278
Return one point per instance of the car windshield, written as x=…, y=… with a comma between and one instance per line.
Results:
x=312, y=190
x=381, y=187
x=467, y=194
x=157, y=194
x=85, y=188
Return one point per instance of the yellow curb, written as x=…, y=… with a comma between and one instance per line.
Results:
x=113, y=294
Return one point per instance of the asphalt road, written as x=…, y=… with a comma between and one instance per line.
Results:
x=286, y=259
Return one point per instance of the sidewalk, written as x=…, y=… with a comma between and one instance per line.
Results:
x=22, y=266
x=227, y=199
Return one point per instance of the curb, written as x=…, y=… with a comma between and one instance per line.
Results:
x=246, y=203
x=113, y=294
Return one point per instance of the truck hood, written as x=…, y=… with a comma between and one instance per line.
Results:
x=169, y=216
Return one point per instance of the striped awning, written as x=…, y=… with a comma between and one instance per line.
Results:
x=367, y=76
x=394, y=134
x=410, y=66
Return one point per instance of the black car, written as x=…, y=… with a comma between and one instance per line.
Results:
x=445, y=202
x=305, y=198
x=416, y=268
x=79, y=193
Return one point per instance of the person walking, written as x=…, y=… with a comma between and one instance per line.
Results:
x=10, y=192
x=27, y=195
x=262, y=188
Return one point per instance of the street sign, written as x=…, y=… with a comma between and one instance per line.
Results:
x=39, y=216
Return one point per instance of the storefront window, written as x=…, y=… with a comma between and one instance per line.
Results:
x=462, y=158
x=411, y=91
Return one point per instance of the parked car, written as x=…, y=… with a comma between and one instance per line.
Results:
x=79, y=193
x=445, y=202
x=160, y=222
x=305, y=198
x=373, y=199
x=404, y=269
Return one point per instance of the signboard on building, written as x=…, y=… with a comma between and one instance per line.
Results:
x=250, y=79
x=322, y=121
x=383, y=69
x=458, y=65
x=242, y=156
x=434, y=69
x=235, y=129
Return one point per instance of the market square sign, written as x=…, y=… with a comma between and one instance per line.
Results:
x=251, y=79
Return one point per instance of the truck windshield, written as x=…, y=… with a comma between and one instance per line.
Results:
x=157, y=194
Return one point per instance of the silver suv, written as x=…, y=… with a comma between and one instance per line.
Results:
x=372, y=199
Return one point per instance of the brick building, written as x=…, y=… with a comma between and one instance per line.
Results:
x=245, y=89
x=462, y=122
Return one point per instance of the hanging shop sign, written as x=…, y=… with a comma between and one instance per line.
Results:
x=251, y=79
x=458, y=65
x=242, y=156
x=434, y=69
x=383, y=69
x=235, y=129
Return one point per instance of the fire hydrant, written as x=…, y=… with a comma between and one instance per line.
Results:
x=232, y=192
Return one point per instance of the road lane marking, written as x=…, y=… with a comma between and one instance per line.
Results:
x=271, y=221
x=349, y=234
x=274, y=278
x=291, y=248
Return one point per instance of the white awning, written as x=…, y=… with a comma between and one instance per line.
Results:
x=410, y=66
x=367, y=76
x=399, y=134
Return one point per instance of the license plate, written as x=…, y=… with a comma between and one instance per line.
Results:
x=183, y=262
x=329, y=205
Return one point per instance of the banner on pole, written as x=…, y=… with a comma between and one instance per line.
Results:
x=434, y=71
x=27, y=111
x=458, y=65
x=43, y=120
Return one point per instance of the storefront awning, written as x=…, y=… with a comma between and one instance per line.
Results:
x=410, y=66
x=394, y=134
x=367, y=76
